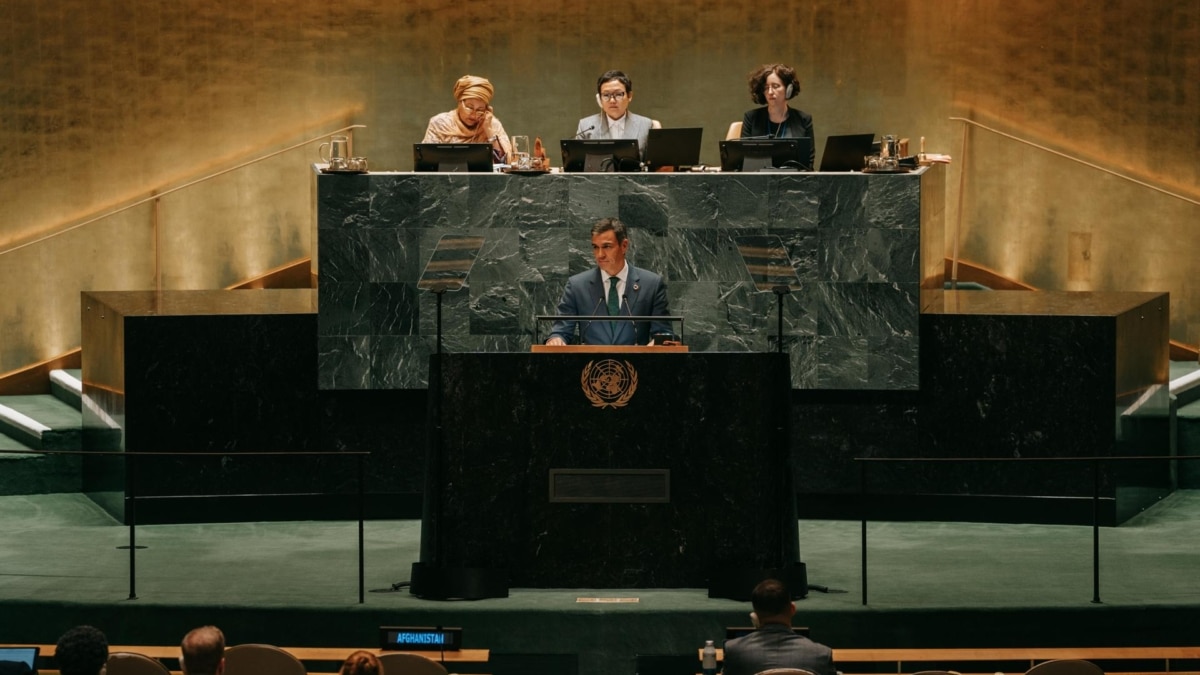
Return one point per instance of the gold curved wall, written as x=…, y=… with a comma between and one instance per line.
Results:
x=103, y=101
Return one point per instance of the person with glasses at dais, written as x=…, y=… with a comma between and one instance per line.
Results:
x=614, y=93
x=472, y=120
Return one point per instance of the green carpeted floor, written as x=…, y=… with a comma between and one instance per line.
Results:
x=931, y=584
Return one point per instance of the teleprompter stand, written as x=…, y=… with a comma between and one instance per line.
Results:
x=446, y=271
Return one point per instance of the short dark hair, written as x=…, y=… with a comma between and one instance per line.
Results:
x=770, y=598
x=361, y=663
x=611, y=225
x=615, y=75
x=758, y=81
x=202, y=650
x=83, y=650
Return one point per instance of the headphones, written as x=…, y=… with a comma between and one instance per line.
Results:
x=791, y=90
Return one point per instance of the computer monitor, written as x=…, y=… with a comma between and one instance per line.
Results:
x=766, y=154
x=25, y=655
x=673, y=147
x=452, y=157
x=846, y=152
x=611, y=154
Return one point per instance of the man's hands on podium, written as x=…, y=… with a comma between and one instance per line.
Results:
x=558, y=342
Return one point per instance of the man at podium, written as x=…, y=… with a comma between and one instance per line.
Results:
x=612, y=288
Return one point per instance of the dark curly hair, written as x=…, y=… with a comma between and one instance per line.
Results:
x=758, y=81
x=83, y=650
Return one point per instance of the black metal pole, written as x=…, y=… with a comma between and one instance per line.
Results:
x=130, y=462
x=439, y=294
x=362, y=581
x=779, y=312
x=1096, y=531
x=862, y=503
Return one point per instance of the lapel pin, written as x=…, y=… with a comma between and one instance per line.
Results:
x=635, y=287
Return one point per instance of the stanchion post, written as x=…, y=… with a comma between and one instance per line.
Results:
x=862, y=505
x=1096, y=531
x=361, y=515
x=131, y=482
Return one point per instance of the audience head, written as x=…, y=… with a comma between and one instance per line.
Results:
x=361, y=663
x=773, y=74
x=772, y=602
x=202, y=651
x=83, y=650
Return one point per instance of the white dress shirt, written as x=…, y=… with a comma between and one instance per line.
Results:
x=621, y=277
x=616, y=129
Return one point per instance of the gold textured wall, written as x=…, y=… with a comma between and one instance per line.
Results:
x=104, y=100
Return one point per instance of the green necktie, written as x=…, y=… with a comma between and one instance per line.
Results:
x=614, y=303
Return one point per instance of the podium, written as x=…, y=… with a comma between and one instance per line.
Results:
x=607, y=468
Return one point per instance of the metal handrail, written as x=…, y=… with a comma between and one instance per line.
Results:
x=131, y=497
x=1095, y=461
x=1077, y=160
x=962, y=177
x=154, y=195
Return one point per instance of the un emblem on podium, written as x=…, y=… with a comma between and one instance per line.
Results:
x=609, y=383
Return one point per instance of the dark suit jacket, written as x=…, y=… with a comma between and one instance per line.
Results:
x=776, y=646
x=645, y=295
x=799, y=124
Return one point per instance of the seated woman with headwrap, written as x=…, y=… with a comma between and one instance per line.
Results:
x=471, y=121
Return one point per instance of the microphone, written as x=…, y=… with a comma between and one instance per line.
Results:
x=498, y=154
x=587, y=131
x=629, y=311
x=584, y=325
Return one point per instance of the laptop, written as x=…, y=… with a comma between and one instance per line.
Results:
x=845, y=153
x=475, y=157
x=673, y=147
x=601, y=154
x=763, y=154
x=12, y=659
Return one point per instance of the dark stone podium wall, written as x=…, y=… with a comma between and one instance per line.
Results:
x=855, y=241
x=716, y=424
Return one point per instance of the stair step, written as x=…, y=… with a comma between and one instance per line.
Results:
x=35, y=473
x=42, y=422
x=9, y=443
x=67, y=385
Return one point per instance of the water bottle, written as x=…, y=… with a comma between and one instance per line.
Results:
x=709, y=662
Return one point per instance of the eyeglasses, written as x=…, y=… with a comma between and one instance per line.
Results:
x=472, y=111
x=613, y=96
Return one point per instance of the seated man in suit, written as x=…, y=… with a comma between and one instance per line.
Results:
x=611, y=288
x=614, y=92
x=774, y=645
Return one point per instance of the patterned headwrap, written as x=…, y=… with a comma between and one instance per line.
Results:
x=471, y=86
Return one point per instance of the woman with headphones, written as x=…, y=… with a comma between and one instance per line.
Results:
x=772, y=86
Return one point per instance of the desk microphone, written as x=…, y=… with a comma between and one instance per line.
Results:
x=585, y=131
x=584, y=326
x=629, y=311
